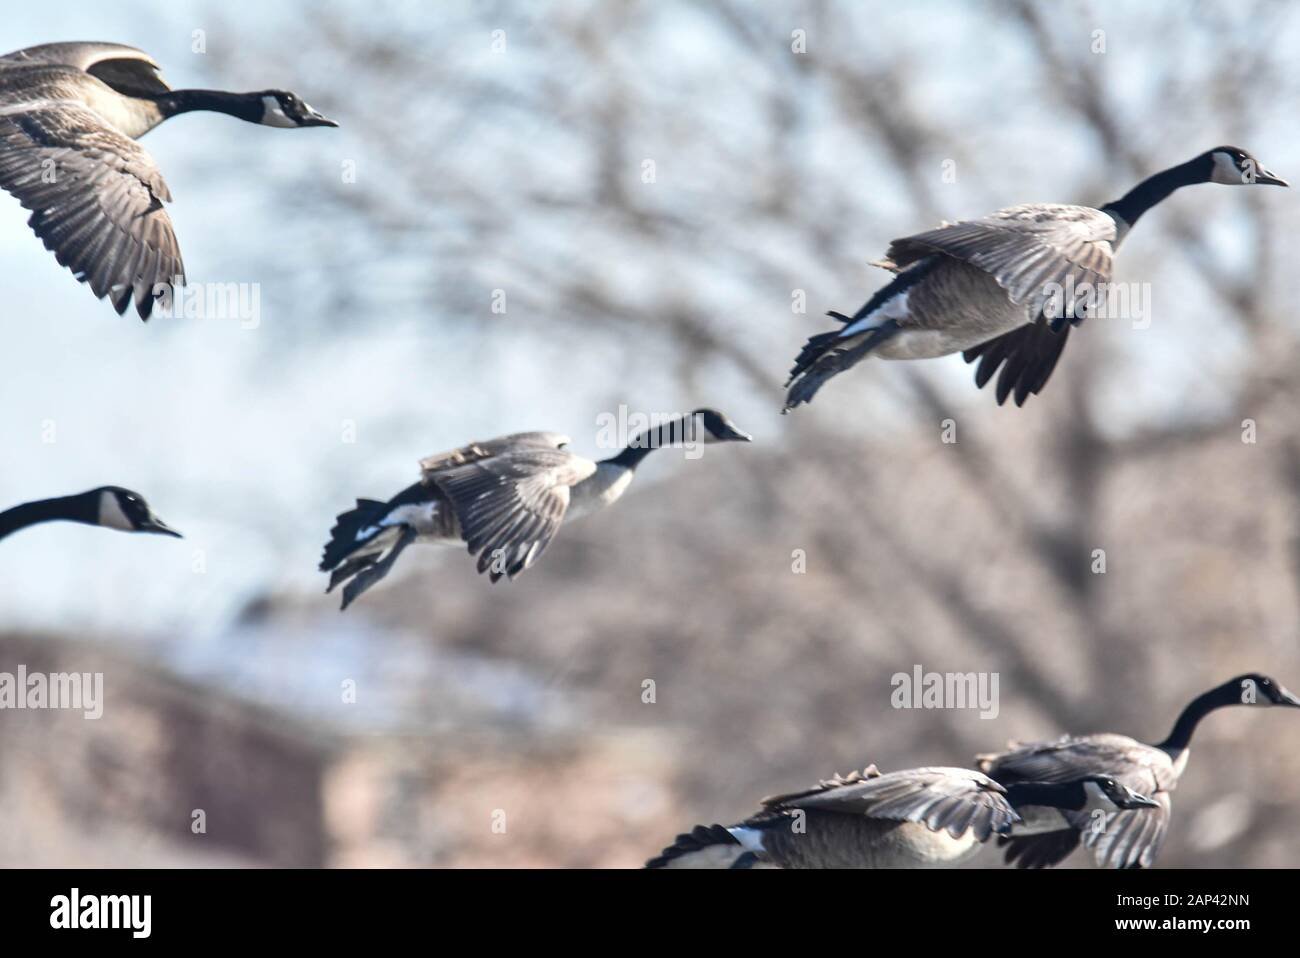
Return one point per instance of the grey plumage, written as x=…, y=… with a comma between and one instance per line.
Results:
x=1130, y=837
x=504, y=498
x=978, y=287
x=1127, y=839
x=907, y=819
x=1023, y=248
x=509, y=496
x=69, y=117
x=983, y=287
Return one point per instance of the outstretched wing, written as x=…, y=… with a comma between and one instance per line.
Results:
x=1039, y=851
x=1130, y=838
x=1027, y=249
x=122, y=67
x=1126, y=839
x=953, y=799
x=96, y=201
x=1141, y=767
x=476, y=451
x=1027, y=355
x=825, y=785
x=510, y=503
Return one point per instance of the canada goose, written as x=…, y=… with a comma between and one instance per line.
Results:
x=1132, y=838
x=110, y=506
x=69, y=117
x=915, y=818
x=1001, y=289
x=505, y=498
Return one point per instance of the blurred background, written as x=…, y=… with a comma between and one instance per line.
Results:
x=666, y=196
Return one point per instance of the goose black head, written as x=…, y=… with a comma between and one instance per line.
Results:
x=1254, y=688
x=1104, y=792
x=284, y=109
x=1233, y=166
x=718, y=428
x=118, y=508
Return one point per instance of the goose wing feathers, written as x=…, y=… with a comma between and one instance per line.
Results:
x=1024, y=248
x=487, y=448
x=1027, y=355
x=81, y=56
x=126, y=69
x=509, y=499
x=96, y=200
x=1141, y=767
x=953, y=799
x=1127, y=839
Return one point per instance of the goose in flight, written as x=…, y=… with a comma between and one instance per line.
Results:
x=1002, y=290
x=109, y=506
x=504, y=499
x=1132, y=838
x=70, y=114
x=915, y=818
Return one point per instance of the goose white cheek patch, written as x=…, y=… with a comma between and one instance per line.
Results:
x=273, y=114
x=1226, y=171
x=111, y=515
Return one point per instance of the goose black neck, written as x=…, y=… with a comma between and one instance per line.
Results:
x=1197, y=709
x=1066, y=795
x=244, y=106
x=671, y=433
x=70, y=508
x=1155, y=189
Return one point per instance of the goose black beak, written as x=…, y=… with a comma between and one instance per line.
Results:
x=158, y=527
x=739, y=436
x=1285, y=697
x=315, y=119
x=1265, y=178
x=1140, y=801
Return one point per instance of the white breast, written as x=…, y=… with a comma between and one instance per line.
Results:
x=598, y=490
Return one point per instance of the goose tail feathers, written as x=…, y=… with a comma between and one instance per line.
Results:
x=705, y=846
x=826, y=355
x=344, y=539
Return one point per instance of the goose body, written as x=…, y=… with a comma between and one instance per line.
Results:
x=1002, y=290
x=915, y=818
x=69, y=117
x=504, y=499
x=1131, y=838
x=109, y=506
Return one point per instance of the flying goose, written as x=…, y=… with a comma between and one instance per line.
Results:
x=1003, y=289
x=70, y=114
x=915, y=818
x=110, y=506
x=1132, y=838
x=505, y=498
